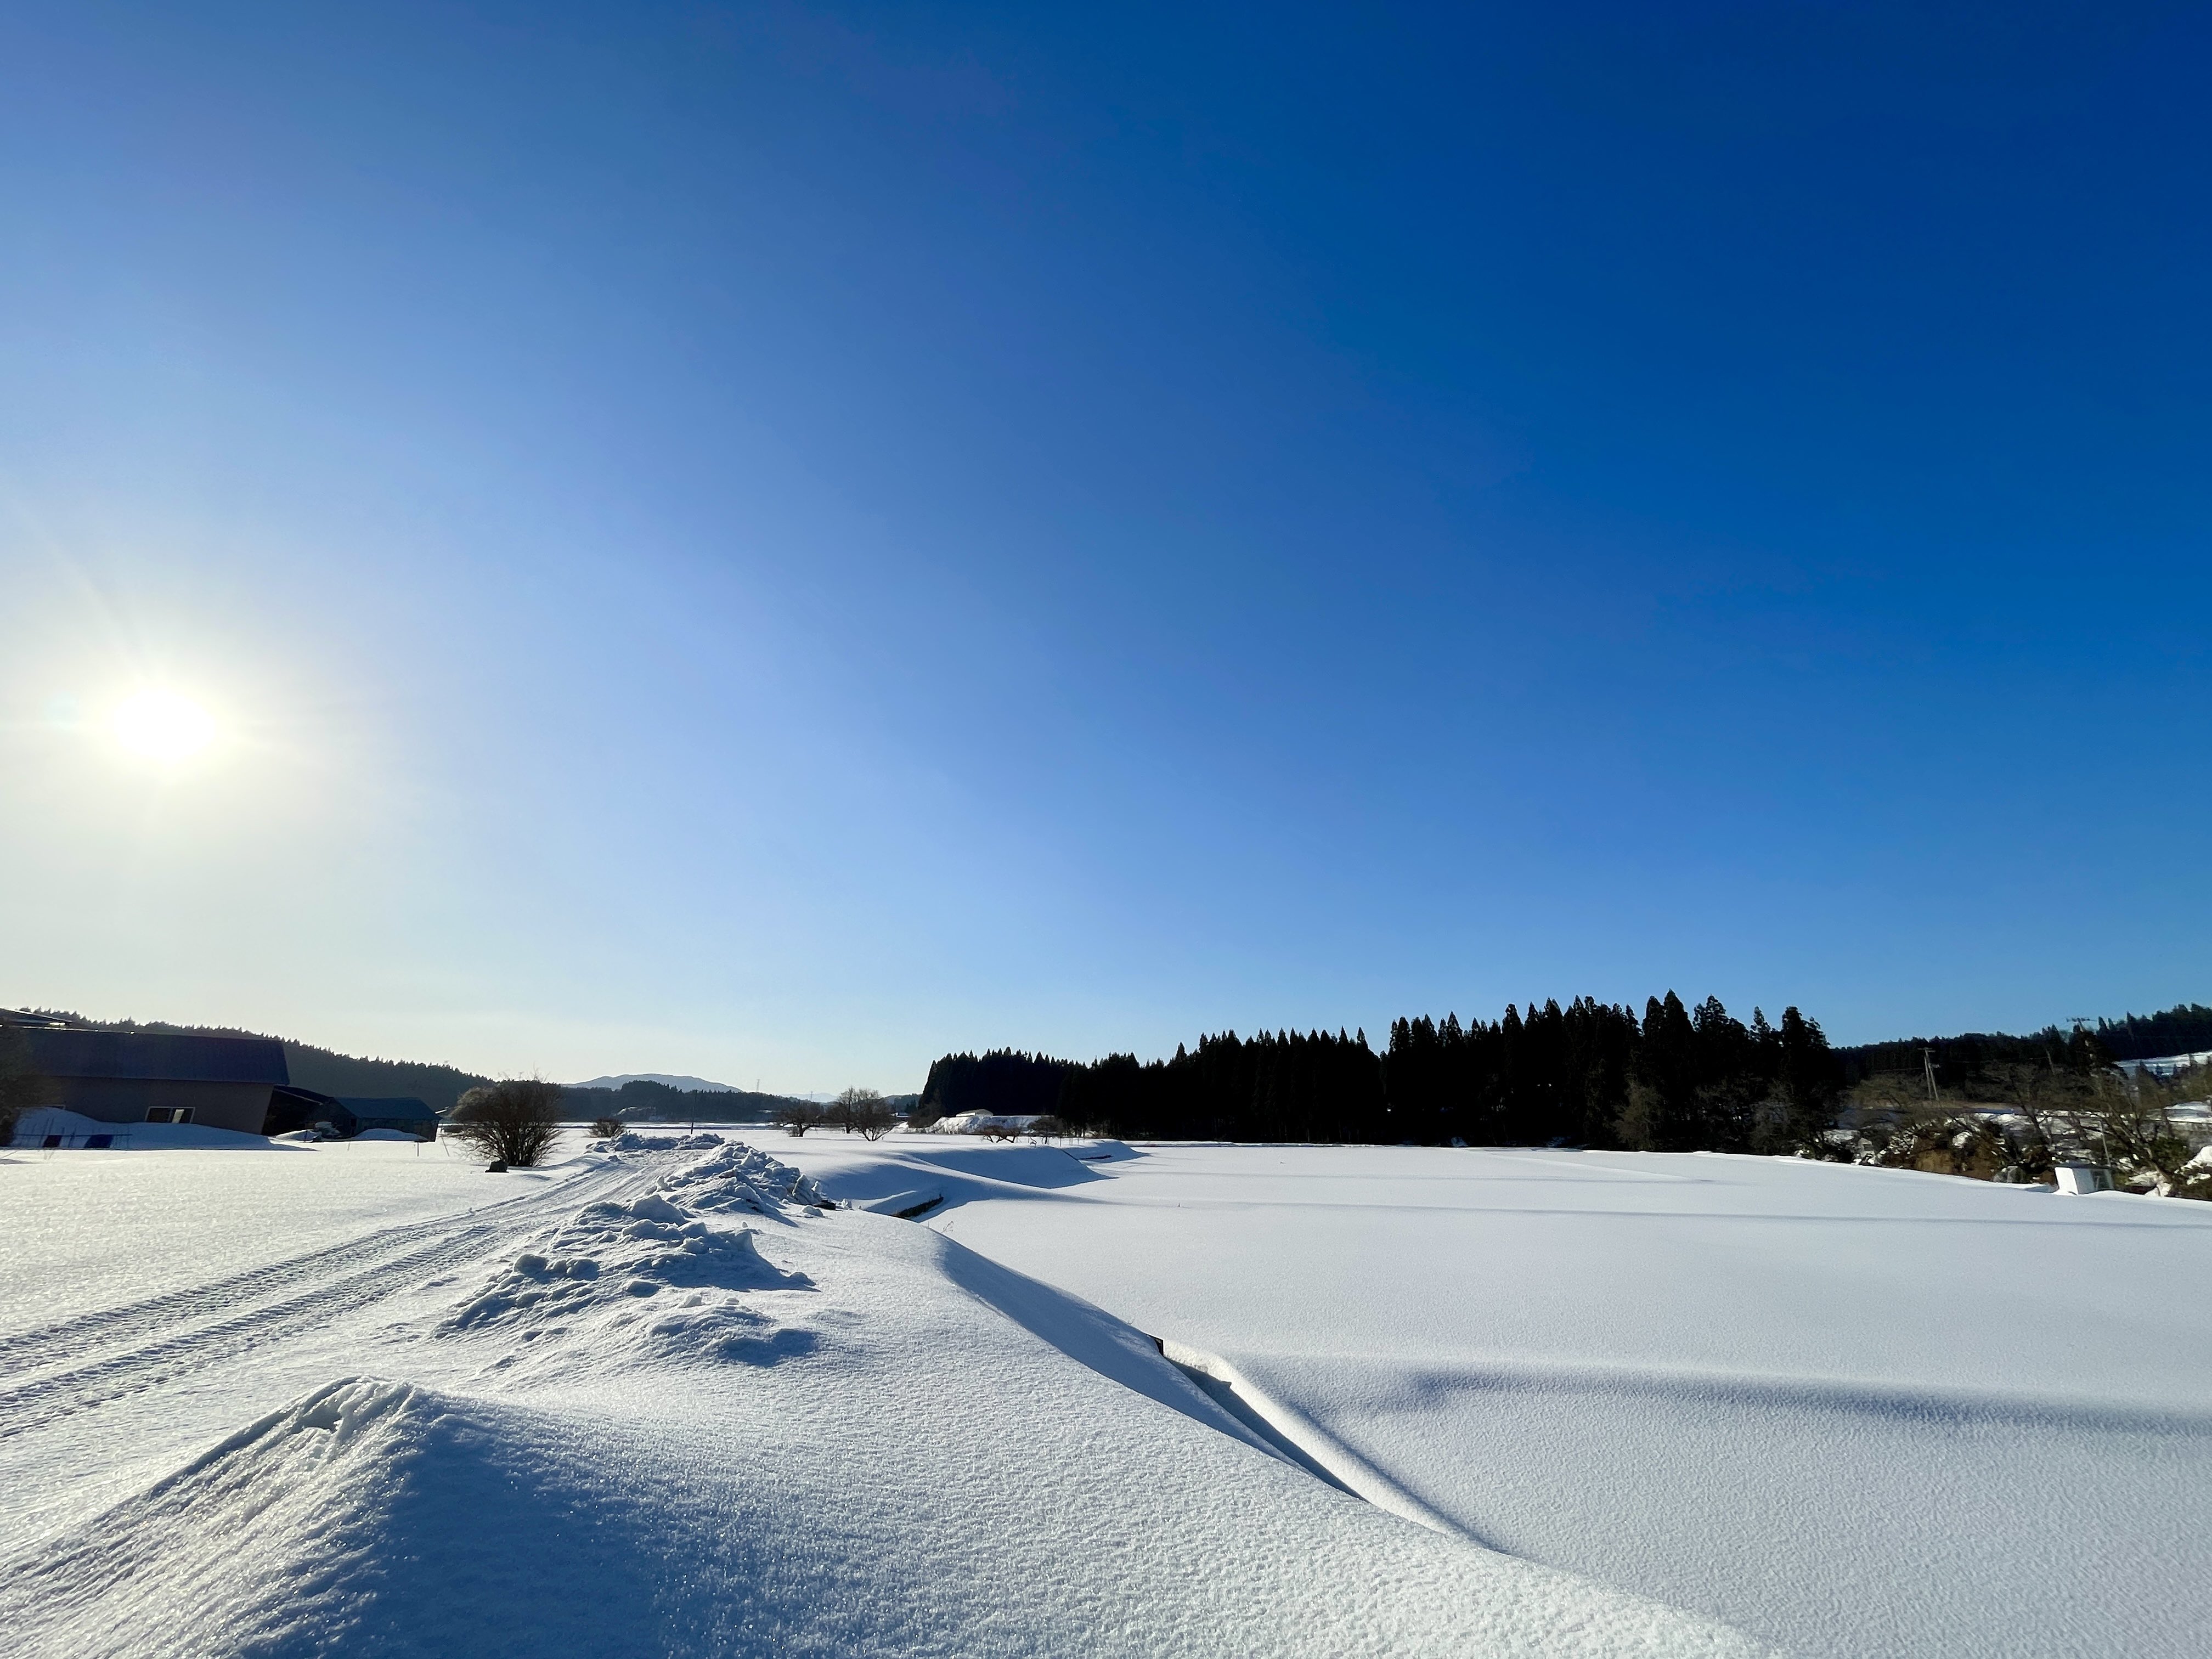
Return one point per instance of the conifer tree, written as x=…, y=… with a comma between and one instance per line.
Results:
x=1808, y=1081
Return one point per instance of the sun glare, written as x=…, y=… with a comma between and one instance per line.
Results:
x=160, y=725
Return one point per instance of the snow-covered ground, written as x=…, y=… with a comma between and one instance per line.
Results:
x=360, y=1398
x=1848, y=1410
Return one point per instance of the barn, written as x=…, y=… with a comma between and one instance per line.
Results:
x=151, y=1077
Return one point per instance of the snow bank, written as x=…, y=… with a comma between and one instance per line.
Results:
x=670, y=1408
x=79, y=1133
x=642, y=1275
x=735, y=1175
x=633, y=1140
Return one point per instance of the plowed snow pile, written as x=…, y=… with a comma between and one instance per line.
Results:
x=1850, y=1412
x=662, y=1403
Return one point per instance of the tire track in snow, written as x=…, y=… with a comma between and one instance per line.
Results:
x=46, y=1346
x=151, y=1342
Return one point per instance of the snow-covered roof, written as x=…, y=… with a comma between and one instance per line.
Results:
x=961, y=1124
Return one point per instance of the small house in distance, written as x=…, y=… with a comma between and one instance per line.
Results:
x=152, y=1077
x=2083, y=1178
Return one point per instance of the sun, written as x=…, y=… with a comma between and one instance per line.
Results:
x=160, y=725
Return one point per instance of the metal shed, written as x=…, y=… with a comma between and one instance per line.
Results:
x=294, y=1108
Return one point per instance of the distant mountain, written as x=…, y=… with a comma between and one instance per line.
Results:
x=690, y=1086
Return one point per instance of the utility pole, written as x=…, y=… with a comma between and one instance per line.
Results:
x=1928, y=1065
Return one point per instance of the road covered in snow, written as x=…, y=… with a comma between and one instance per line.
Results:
x=655, y=1400
x=1850, y=1412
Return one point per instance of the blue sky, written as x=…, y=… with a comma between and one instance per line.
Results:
x=776, y=541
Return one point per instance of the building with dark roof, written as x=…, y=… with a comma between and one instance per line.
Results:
x=242, y=1084
x=402, y=1112
x=293, y=1107
x=152, y=1077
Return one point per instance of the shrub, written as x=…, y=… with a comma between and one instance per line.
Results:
x=606, y=1129
x=514, y=1122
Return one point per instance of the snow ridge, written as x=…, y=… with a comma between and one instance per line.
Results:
x=601, y=1287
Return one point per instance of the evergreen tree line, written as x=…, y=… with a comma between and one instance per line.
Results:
x=1590, y=1074
x=2184, y=1029
x=1007, y=1082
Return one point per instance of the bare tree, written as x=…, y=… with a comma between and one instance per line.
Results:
x=2129, y=1122
x=513, y=1122
x=798, y=1116
x=864, y=1112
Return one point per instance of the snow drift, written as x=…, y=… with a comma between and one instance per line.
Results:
x=76, y=1130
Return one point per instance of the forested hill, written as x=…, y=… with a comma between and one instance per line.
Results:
x=1978, y=1064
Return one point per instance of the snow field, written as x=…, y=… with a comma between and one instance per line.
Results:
x=1850, y=1412
x=659, y=1404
